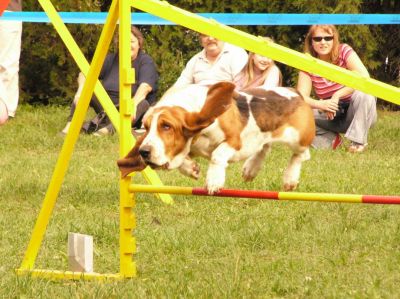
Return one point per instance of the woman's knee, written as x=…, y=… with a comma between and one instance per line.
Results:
x=361, y=98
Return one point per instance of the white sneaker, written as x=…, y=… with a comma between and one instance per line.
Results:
x=103, y=132
x=66, y=129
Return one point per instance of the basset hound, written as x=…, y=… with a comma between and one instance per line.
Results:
x=223, y=126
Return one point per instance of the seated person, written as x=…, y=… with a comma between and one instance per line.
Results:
x=340, y=109
x=218, y=61
x=260, y=72
x=143, y=90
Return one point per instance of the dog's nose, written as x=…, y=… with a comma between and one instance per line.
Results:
x=145, y=152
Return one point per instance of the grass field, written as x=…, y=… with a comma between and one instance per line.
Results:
x=203, y=247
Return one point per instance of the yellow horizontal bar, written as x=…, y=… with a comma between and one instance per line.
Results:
x=68, y=275
x=160, y=189
x=274, y=51
x=349, y=198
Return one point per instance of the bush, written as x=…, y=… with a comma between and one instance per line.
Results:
x=48, y=74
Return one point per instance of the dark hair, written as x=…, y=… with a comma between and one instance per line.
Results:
x=136, y=32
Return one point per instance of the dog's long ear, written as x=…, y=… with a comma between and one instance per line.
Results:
x=219, y=100
x=133, y=161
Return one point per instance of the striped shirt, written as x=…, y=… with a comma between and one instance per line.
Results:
x=323, y=88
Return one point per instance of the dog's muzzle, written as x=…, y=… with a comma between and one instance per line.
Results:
x=145, y=152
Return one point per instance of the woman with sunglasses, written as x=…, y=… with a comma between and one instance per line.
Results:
x=338, y=109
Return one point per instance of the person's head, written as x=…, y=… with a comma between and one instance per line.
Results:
x=211, y=45
x=258, y=64
x=322, y=41
x=136, y=41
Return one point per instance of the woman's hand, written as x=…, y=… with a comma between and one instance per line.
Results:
x=330, y=115
x=331, y=105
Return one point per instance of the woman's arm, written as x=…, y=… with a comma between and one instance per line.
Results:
x=354, y=64
x=304, y=86
x=141, y=93
x=81, y=82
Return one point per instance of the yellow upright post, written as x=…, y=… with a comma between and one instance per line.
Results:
x=71, y=138
x=127, y=200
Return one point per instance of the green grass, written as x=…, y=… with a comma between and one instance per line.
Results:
x=203, y=247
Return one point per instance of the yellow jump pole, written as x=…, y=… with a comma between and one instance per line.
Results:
x=274, y=51
x=270, y=195
x=71, y=138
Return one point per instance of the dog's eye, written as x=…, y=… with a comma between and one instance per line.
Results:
x=166, y=126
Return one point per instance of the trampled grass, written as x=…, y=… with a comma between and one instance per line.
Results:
x=203, y=247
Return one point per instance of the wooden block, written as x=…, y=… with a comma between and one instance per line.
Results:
x=80, y=252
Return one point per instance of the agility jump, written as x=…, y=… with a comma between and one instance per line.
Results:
x=268, y=195
x=121, y=9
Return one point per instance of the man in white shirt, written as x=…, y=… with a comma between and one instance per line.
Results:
x=218, y=61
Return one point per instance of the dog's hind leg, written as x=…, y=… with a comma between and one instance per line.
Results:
x=292, y=173
x=190, y=168
x=254, y=163
x=291, y=177
x=305, y=156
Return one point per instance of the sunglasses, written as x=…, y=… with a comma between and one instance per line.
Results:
x=320, y=38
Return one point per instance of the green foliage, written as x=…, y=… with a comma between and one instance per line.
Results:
x=171, y=47
x=48, y=72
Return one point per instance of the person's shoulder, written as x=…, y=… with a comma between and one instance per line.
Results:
x=275, y=68
x=233, y=48
x=345, y=50
x=305, y=73
x=110, y=57
x=201, y=54
x=143, y=56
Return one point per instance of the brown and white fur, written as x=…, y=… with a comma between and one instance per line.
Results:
x=223, y=126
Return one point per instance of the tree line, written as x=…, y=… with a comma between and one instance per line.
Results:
x=48, y=73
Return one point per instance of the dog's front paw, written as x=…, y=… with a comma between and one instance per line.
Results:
x=212, y=189
x=214, y=184
x=190, y=168
x=195, y=173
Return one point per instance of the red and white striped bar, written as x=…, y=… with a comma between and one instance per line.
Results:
x=269, y=195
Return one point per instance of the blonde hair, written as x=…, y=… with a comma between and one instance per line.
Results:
x=248, y=71
x=330, y=29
